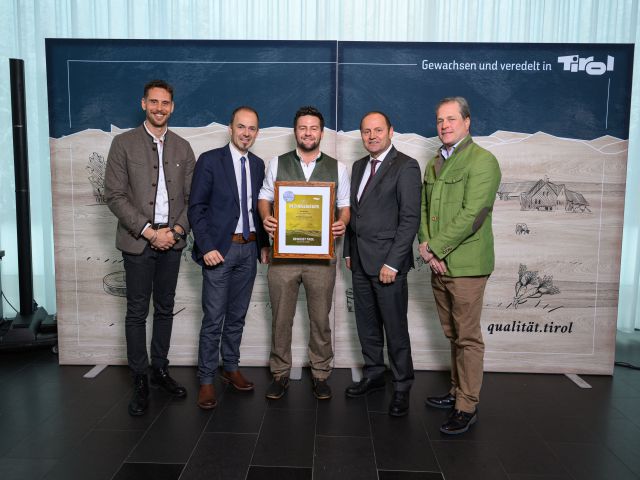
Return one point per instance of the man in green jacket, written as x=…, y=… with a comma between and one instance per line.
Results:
x=456, y=241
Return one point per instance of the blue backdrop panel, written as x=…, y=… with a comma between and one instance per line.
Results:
x=95, y=83
x=514, y=87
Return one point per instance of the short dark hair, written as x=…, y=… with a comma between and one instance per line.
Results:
x=240, y=108
x=312, y=111
x=158, y=84
x=384, y=115
x=463, y=105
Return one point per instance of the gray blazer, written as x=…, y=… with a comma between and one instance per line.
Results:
x=385, y=221
x=131, y=182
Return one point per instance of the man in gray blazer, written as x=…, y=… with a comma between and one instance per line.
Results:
x=385, y=216
x=147, y=183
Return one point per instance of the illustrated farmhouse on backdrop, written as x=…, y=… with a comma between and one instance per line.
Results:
x=544, y=195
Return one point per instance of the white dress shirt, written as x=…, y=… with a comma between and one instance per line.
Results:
x=237, y=168
x=342, y=195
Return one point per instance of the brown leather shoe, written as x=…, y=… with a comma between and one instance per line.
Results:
x=236, y=379
x=207, y=397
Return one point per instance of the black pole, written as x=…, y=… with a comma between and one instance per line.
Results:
x=21, y=165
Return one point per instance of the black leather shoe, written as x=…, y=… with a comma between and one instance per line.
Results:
x=277, y=388
x=443, y=401
x=459, y=422
x=321, y=389
x=140, y=400
x=365, y=386
x=399, y=405
x=160, y=378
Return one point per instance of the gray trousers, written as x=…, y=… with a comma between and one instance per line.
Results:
x=284, y=279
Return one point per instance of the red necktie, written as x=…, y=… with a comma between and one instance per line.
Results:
x=374, y=164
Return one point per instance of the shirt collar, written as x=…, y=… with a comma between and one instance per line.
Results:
x=314, y=160
x=445, y=153
x=236, y=154
x=383, y=155
x=155, y=139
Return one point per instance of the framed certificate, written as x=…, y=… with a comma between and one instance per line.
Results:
x=304, y=211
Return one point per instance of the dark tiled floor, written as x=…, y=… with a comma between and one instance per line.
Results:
x=54, y=424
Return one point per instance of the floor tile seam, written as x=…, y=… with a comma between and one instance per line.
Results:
x=115, y=405
x=408, y=471
x=581, y=444
x=380, y=412
x=119, y=429
x=502, y=465
x=315, y=440
x=156, y=463
x=133, y=448
x=491, y=446
x=228, y=433
x=195, y=445
x=429, y=440
x=292, y=409
x=280, y=466
x=622, y=461
x=462, y=441
x=341, y=436
x=255, y=444
x=626, y=417
x=582, y=424
x=47, y=471
x=373, y=443
x=64, y=455
x=559, y=457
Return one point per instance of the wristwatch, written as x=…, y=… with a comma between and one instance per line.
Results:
x=176, y=236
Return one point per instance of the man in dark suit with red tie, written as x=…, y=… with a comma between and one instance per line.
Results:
x=229, y=239
x=385, y=215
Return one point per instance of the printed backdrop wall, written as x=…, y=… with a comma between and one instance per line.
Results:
x=555, y=116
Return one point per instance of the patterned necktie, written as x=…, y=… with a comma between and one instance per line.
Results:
x=244, y=201
x=374, y=164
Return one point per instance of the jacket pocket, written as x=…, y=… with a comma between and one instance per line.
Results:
x=471, y=239
x=469, y=253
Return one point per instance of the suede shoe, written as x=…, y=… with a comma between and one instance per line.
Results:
x=160, y=379
x=277, y=388
x=399, y=405
x=364, y=387
x=238, y=380
x=459, y=422
x=443, y=401
x=140, y=399
x=321, y=389
x=207, y=397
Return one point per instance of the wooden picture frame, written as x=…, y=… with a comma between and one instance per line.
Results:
x=305, y=213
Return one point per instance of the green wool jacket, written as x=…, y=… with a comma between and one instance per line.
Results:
x=457, y=205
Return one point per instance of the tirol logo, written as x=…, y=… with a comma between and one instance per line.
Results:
x=575, y=63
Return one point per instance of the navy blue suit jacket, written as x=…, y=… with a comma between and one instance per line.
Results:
x=214, y=204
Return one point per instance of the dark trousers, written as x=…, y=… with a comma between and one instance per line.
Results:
x=150, y=272
x=226, y=293
x=381, y=309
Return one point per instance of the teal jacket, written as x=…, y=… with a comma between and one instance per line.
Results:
x=457, y=207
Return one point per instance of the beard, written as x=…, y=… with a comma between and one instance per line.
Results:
x=309, y=148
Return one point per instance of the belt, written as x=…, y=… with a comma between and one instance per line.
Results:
x=158, y=226
x=238, y=238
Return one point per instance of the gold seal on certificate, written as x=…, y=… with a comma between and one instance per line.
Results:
x=304, y=211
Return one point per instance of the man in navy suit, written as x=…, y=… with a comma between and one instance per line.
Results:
x=228, y=238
